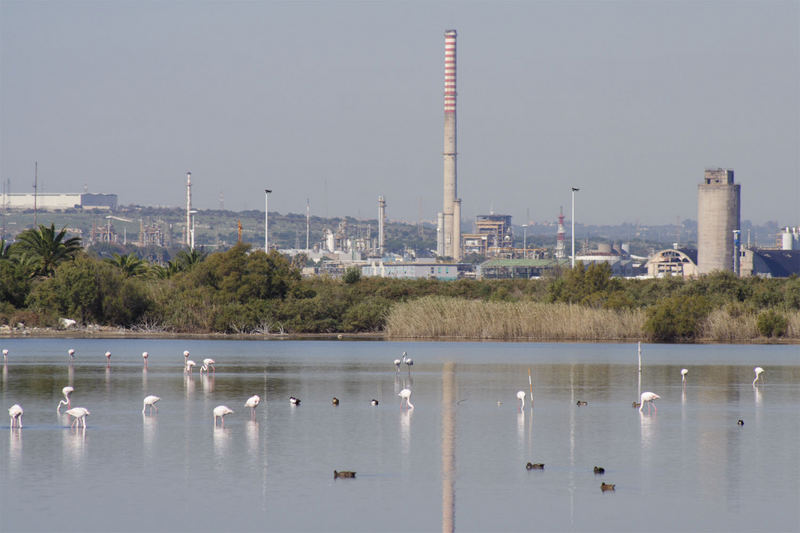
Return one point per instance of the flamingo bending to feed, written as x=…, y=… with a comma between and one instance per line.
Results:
x=108, y=356
x=79, y=414
x=15, y=412
x=189, y=366
x=219, y=412
x=684, y=371
x=67, y=392
x=71, y=353
x=405, y=394
x=208, y=363
x=252, y=402
x=758, y=370
x=151, y=401
x=521, y=398
x=397, y=363
x=5, y=354
x=648, y=398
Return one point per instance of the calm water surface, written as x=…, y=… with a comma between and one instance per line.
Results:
x=455, y=462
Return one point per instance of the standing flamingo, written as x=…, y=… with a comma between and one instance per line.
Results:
x=15, y=412
x=208, y=363
x=5, y=354
x=67, y=392
x=649, y=398
x=189, y=366
x=108, y=357
x=684, y=371
x=185, y=356
x=758, y=370
x=405, y=394
x=397, y=363
x=79, y=414
x=408, y=361
x=219, y=412
x=71, y=354
x=252, y=402
x=151, y=401
x=521, y=397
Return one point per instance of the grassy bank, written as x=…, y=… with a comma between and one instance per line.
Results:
x=442, y=317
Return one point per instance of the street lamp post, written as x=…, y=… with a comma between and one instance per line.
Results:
x=266, y=220
x=574, y=190
x=524, y=241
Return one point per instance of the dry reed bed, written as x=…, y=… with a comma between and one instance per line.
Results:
x=442, y=317
x=436, y=316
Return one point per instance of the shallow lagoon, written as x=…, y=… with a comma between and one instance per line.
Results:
x=454, y=462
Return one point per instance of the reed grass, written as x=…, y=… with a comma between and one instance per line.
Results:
x=442, y=317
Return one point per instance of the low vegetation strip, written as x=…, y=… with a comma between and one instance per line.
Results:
x=442, y=317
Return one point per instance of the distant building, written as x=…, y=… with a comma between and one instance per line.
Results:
x=718, y=211
x=673, y=262
x=498, y=268
x=442, y=271
x=59, y=201
x=770, y=263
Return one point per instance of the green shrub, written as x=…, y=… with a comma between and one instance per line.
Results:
x=352, y=275
x=770, y=323
x=677, y=319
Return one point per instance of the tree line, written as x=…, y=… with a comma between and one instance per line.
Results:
x=45, y=276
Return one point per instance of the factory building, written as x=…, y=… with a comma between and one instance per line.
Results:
x=718, y=212
x=679, y=262
x=58, y=201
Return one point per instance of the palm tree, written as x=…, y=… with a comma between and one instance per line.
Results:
x=46, y=247
x=130, y=264
x=187, y=260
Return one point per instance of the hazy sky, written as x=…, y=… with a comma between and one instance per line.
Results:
x=340, y=102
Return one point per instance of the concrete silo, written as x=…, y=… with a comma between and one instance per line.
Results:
x=718, y=215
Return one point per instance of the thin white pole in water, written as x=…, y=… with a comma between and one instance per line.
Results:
x=640, y=371
x=530, y=384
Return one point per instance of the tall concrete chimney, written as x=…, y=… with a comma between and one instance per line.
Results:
x=188, y=209
x=451, y=227
x=381, y=219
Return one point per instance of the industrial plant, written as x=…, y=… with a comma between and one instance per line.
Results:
x=490, y=249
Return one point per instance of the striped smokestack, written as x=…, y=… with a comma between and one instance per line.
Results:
x=452, y=226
